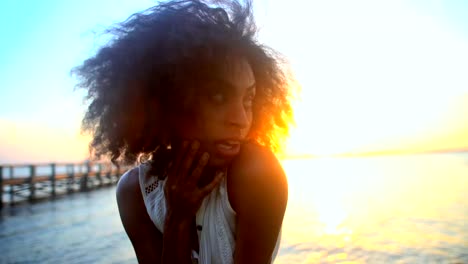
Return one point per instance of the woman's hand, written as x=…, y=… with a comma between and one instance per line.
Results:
x=183, y=196
x=183, y=199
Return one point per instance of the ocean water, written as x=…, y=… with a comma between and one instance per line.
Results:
x=395, y=209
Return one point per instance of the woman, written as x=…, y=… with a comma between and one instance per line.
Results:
x=185, y=88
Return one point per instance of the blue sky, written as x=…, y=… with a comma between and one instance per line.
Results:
x=43, y=40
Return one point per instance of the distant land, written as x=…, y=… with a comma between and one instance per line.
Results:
x=374, y=153
x=401, y=152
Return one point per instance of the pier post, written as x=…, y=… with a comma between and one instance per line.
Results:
x=67, y=182
x=71, y=179
x=98, y=174
x=12, y=189
x=52, y=179
x=72, y=167
x=84, y=179
x=109, y=173
x=117, y=173
x=32, y=185
x=1, y=187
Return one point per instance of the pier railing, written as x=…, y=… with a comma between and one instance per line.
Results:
x=30, y=182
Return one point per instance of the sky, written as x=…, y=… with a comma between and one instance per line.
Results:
x=376, y=76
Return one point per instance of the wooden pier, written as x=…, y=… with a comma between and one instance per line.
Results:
x=23, y=183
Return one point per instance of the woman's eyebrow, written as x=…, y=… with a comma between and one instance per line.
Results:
x=232, y=87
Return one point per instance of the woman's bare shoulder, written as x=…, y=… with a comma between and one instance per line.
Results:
x=145, y=237
x=128, y=185
x=256, y=173
x=129, y=197
x=257, y=160
x=259, y=197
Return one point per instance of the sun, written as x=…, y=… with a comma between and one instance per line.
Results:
x=371, y=83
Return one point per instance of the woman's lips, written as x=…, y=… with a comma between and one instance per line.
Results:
x=228, y=148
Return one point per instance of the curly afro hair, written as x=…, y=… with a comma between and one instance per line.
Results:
x=161, y=57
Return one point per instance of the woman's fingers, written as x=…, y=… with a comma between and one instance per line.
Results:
x=210, y=186
x=197, y=172
x=188, y=160
x=188, y=173
x=179, y=157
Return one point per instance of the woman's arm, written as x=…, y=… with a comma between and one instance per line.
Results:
x=176, y=241
x=147, y=241
x=259, y=195
x=145, y=237
x=183, y=198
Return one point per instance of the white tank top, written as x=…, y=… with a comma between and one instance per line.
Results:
x=215, y=220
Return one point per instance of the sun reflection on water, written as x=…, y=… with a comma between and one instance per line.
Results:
x=343, y=209
x=332, y=215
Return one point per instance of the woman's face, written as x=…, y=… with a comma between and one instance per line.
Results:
x=223, y=116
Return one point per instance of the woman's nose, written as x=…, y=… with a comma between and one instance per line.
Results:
x=238, y=115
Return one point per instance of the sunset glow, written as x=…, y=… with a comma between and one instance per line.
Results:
x=376, y=77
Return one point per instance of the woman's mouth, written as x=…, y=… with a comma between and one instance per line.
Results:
x=228, y=148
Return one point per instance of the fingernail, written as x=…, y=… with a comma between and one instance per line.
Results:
x=205, y=156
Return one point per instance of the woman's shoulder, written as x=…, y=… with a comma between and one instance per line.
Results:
x=256, y=174
x=130, y=201
x=257, y=160
x=128, y=187
x=133, y=180
x=145, y=237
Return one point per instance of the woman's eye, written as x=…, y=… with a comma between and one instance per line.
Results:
x=248, y=102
